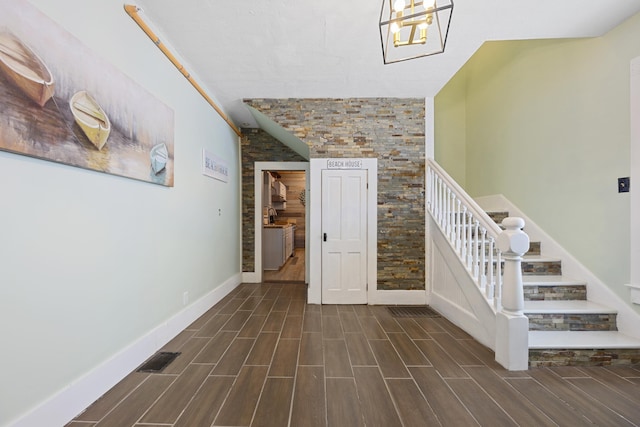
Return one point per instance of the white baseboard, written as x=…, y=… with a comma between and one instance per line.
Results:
x=398, y=297
x=251, y=277
x=62, y=407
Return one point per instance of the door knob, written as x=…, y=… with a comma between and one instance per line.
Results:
x=324, y=237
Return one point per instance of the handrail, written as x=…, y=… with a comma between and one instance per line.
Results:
x=469, y=230
x=132, y=11
x=483, y=247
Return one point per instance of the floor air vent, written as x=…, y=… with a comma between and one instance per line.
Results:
x=413, y=311
x=158, y=362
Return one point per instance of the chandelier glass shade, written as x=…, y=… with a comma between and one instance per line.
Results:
x=412, y=29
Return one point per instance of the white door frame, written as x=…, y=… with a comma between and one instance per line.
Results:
x=259, y=168
x=314, y=231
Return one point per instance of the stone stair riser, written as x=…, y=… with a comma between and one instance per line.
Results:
x=584, y=357
x=541, y=268
x=555, y=293
x=572, y=322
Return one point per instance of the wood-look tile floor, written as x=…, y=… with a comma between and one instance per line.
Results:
x=292, y=271
x=262, y=357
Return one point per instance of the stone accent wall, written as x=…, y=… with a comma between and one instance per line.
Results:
x=257, y=146
x=391, y=130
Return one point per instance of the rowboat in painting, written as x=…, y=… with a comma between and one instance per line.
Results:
x=24, y=68
x=158, y=157
x=91, y=118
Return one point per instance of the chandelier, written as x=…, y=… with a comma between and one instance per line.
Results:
x=412, y=29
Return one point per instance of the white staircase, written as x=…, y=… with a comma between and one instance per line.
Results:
x=565, y=327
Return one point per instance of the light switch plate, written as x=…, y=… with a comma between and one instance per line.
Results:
x=623, y=185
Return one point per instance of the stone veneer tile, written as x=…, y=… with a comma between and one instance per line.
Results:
x=389, y=129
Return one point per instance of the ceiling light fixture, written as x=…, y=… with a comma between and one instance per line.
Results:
x=412, y=29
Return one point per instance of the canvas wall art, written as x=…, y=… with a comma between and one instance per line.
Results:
x=61, y=101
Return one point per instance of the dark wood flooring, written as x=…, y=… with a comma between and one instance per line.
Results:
x=262, y=357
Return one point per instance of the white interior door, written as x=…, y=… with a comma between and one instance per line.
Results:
x=344, y=235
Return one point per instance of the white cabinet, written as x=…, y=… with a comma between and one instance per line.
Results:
x=277, y=246
x=279, y=195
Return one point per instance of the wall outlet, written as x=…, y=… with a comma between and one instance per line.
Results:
x=185, y=298
x=623, y=185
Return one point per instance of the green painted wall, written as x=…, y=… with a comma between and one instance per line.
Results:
x=90, y=262
x=547, y=125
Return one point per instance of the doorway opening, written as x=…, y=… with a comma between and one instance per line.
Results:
x=284, y=226
x=281, y=222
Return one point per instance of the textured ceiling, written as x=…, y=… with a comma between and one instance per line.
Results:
x=331, y=49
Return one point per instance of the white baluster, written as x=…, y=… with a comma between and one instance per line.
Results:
x=463, y=233
x=483, y=258
x=469, y=241
x=452, y=221
x=497, y=299
x=457, y=225
x=447, y=217
x=476, y=244
x=491, y=280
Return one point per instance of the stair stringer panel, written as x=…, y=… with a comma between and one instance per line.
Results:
x=453, y=293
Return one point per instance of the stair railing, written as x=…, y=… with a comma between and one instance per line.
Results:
x=483, y=248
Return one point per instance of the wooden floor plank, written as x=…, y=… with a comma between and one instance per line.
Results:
x=168, y=408
x=359, y=350
x=292, y=327
x=376, y=402
x=343, y=406
x=127, y=412
x=478, y=403
x=275, y=403
x=517, y=406
x=336, y=359
x=274, y=321
x=389, y=362
x=285, y=359
x=413, y=409
x=234, y=358
x=411, y=328
x=331, y=327
x=262, y=351
x=350, y=322
x=615, y=382
x=614, y=401
x=440, y=360
x=309, y=401
x=553, y=407
x=372, y=329
x=213, y=351
x=445, y=404
x=408, y=351
x=457, y=352
x=109, y=400
x=238, y=408
x=206, y=402
x=582, y=403
x=252, y=328
x=311, y=349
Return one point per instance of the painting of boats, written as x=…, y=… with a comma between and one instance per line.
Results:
x=159, y=155
x=24, y=68
x=98, y=118
x=91, y=118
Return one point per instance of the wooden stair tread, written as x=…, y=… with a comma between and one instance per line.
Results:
x=581, y=340
x=566, y=307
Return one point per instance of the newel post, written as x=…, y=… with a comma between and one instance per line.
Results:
x=512, y=326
